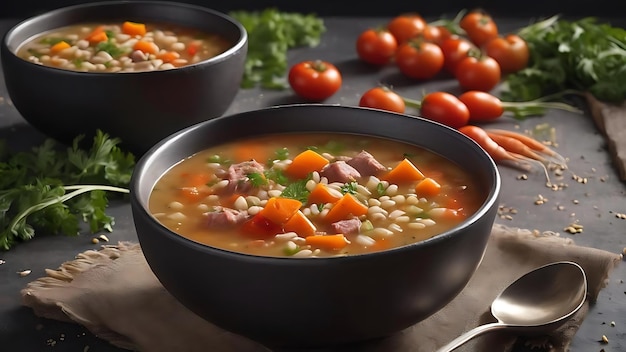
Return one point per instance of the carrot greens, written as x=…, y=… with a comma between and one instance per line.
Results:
x=51, y=190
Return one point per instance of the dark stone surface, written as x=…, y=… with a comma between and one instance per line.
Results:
x=593, y=204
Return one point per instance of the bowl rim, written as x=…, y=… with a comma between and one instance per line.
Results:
x=151, y=155
x=25, y=23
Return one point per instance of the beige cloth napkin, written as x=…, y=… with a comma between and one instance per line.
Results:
x=113, y=293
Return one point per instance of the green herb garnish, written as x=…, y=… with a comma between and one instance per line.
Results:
x=277, y=176
x=55, y=40
x=281, y=154
x=271, y=33
x=380, y=189
x=350, y=187
x=111, y=48
x=257, y=179
x=51, y=190
x=581, y=55
x=218, y=159
x=297, y=190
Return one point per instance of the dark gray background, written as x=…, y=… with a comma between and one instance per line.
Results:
x=528, y=8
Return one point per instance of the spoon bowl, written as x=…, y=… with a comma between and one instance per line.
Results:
x=539, y=301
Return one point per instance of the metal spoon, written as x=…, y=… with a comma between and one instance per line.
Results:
x=540, y=300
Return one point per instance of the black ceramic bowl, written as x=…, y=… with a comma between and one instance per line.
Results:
x=140, y=108
x=316, y=301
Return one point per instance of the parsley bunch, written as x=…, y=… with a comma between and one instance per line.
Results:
x=51, y=190
x=271, y=33
x=581, y=55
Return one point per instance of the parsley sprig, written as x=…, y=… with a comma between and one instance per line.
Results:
x=582, y=55
x=271, y=34
x=51, y=190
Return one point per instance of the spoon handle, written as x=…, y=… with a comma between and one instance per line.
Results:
x=479, y=330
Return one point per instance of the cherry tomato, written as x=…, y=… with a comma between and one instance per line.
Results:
x=445, y=108
x=436, y=34
x=314, y=80
x=376, y=47
x=479, y=26
x=419, y=59
x=482, y=106
x=511, y=52
x=482, y=73
x=454, y=50
x=384, y=99
x=407, y=26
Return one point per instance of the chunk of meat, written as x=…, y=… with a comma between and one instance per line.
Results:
x=346, y=227
x=366, y=164
x=340, y=171
x=225, y=217
x=238, y=180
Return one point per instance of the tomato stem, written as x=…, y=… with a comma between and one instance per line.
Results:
x=412, y=102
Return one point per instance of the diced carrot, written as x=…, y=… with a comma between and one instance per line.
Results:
x=427, y=187
x=251, y=150
x=300, y=224
x=58, y=47
x=146, y=47
x=346, y=207
x=97, y=35
x=305, y=163
x=133, y=28
x=404, y=172
x=279, y=210
x=192, y=48
x=168, y=56
x=321, y=194
x=328, y=242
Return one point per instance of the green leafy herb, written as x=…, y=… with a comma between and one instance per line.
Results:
x=380, y=189
x=111, y=48
x=291, y=251
x=350, y=187
x=277, y=176
x=297, y=190
x=218, y=159
x=581, y=55
x=55, y=40
x=257, y=179
x=271, y=33
x=51, y=190
x=281, y=154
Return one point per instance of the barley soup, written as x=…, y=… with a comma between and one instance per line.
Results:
x=313, y=195
x=121, y=47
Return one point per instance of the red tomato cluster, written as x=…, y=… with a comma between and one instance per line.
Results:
x=477, y=56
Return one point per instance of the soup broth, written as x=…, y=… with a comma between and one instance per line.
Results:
x=313, y=195
x=121, y=47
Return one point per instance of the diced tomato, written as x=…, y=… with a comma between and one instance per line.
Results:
x=259, y=227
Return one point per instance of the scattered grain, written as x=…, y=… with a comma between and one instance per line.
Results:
x=2, y=261
x=103, y=238
x=574, y=228
x=24, y=273
x=541, y=200
x=620, y=216
x=522, y=177
x=605, y=339
x=560, y=207
x=575, y=201
x=95, y=240
x=613, y=324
